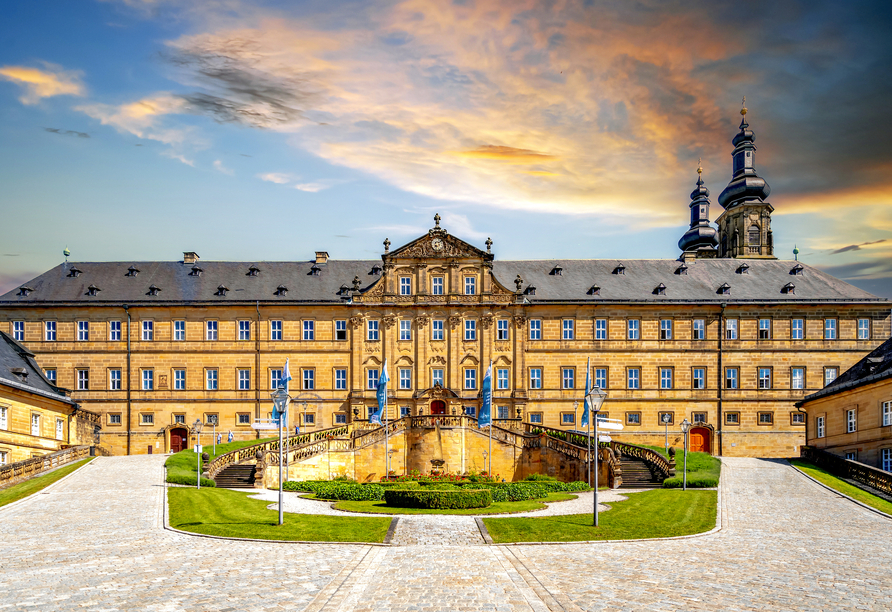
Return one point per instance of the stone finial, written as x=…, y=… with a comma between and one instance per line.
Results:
x=437, y=220
x=387, y=245
x=518, y=282
x=743, y=106
x=488, y=245
x=356, y=283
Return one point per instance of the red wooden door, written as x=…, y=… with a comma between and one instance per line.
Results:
x=177, y=440
x=698, y=440
x=438, y=407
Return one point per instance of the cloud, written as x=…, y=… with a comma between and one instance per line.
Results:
x=280, y=178
x=856, y=247
x=39, y=84
x=503, y=153
x=67, y=132
x=178, y=156
x=218, y=165
x=142, y=118
x=311, y=187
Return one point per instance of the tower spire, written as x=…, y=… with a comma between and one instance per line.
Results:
x=699, y=240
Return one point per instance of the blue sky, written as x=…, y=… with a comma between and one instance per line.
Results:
x=137, y=129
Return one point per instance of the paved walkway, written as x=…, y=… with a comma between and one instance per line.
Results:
x=95, y=542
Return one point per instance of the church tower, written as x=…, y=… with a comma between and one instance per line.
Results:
x=699, y=240
x=745, y=224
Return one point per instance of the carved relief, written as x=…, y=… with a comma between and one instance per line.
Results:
x=502, y=347
x=389, y=321
x=437, y=359
x=454, y=321
x=422, y=320
x=356, y=322
x=437, y=244
x=372, y=347
x=486, y=321
x=519, y=321
x=437, y=347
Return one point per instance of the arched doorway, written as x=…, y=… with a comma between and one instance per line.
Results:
x=438, y=407
x=698, y=440
x=179, y=439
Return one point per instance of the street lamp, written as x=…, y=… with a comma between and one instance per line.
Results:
x=575, y=410
x=280, y=400
x=685, y=426
x=390, y=461
x=596, y=397
x=197, y=426
x=484, y=464
x=666, y=418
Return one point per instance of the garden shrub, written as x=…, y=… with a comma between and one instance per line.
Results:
x=439, y=486
x=438, y=499
x=338, y=490
x=541, y=477
x=188, y=479
x=406, y=484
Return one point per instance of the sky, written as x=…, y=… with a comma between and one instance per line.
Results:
x=135, y=130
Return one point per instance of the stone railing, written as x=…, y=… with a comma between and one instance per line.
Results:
x=659, y=466
x=560, y=434
x=20, y=470
x=845, y=468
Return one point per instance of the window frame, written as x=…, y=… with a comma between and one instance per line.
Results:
x=698, y=332
x=633, y=418
x=568, y=329
x=827, y=371
x=244, y=330
x=273, y=383
x=276, y=328
x=307, y=379
x=177, y=379
x=372, y=376
x=340, y=329
x=666, y=329
x=667, y=376
x=764, y=329
x=373, y=330
x=115, y=383
x=470, y=285
x=405, y=285
x=405, y=378
x=438, y=288
x=179, y=330
x=698, y=378
x=568, y=419
x=820, y=426
x=568, y=378
x=503, y=328
x=438, y=327
x=438, y=375
x=633, y=329
x=606, y=376
x=502, y=378
x=308, y=330
x=211, y=330
x=243, y=378
x=50, y=331
x=831, y=329
x=535, y=328
x=114, y=331
x=764, y=376
x=863, y=332
x=886, y=414
x=851, y=420
x=146, y=418
x=211, y=379
x=18, y=331
x=731, y=329
x=470, y=379
x=535, y=378
x=732, y=418
x=83, y=331
x=82, y=377
x=797, y=418
x=793, y=371
x=340, y=379
x=35, y=424
x=535, y=417
x=735, y=378
x=765, y=418
x=636, y=378
x=797, y=329
x=600, y=329
x=470, y=330
x=405, y=330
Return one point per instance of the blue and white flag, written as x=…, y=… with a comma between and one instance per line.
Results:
x=286, y=376
x=382, y=395
x=283, y=384
x=229, y=439
x=485, y=417
x=588, y=387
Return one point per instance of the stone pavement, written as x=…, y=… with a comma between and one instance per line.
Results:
x=95, y=542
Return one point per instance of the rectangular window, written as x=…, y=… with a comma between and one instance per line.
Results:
x=146, y=419
x=535, y=329
x=470, y=285
x=666, y=418
x=568, y=378
x=699, y=332
x=601, y=378
x=275, y=379
x=887, y=414
x=437, y=285
x=766, y=418
x=731, y=378
x=470, y=330
x=568, y=418
x=309, y=380
x=244, y=330
x=148, y=331
x=372, y=378
x=698, y=378
x=567, y=329
x=340, y=330
x=437, y=377
x=503, y=412
x=886, y=459
x=732, y=418
x=536, y=417
x=470, y=378
x=340, y=379
x=698, y=417
x=731, y=329
x=535, y=378
x=797, y=329
x=49, y=331
x=244, y=418
x=634, y=378
x=148, y=380
x=244, y=380
x=309, y=330
x=863, y=329
x=60, y=428
x=114, y=380
x=4, y=417
x=665, y=329
x=852, y=455
x=851, y=422
x=83, y=331
x=502, y=378
x=830, y=375
x=502, y=329
x=179, y=331
x=405, y=285
x=633, y=418
x=633, y=327
x=179, y=419
x=437, y=329
x=340, y=419
x=764, y=378
x=35, y=424
x=404, y=412
x=211, y=380
x=471, y=411
x=179, y=380
x=600, y=329
x=829, y=329
x=372, y=330
x=405, y=378
x=797, y=378
x=83, y=380
x=114, y=331
x=210, y=330
x=797, y=418
x=51, y=375
x=764, y=329
x=309, y=418
x=114, y=419
x=819, y=426
x=275, y=330
x=665, y=378
x=18, y=331
x=405, y=330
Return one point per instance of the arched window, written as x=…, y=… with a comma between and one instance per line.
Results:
x=754, y=235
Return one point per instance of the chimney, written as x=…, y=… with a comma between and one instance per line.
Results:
x=190, y=257
x=321, y=257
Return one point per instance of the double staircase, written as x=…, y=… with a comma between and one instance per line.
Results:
x=236, y=477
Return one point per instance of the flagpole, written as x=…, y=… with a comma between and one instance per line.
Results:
x=386, y=438
x=596, y=467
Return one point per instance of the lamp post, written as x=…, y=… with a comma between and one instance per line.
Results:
x=390, y=461
x=575, y=410
x=214, y=441
x=280, y=399
x=197, y=426
x=484, y=463
x=666, y=418
x=596, y=397
x=685, y=426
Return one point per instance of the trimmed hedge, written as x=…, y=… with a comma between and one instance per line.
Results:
x=188, y=479
x=436, y=499
x=409, y=484
x=338, y=490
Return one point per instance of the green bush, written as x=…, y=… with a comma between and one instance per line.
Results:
x=188, y=479
x=326, y=489
x=439, y=486
x=703, y=471
x=541, y=477
x=694, y=482
x=436, y=499
x=407, y=484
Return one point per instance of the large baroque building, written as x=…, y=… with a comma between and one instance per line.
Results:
x=726, y=336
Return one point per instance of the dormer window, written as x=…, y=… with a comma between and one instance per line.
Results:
x=22, y=373
x=252, y=271
x=620, y=269
x=594, y=290
x=153, y=290
x=221, y=290
x=682, y=269
x=315, y=270
x=660, y=289
x=743, y=269
x=92, y=290
x=376, y=270
x=343, y=290
x=132, y=271
x=281, y=290
x=73, y=273
x=530, y=290
x=789, y=288
x=796, y=270
x=24, y=291
x=725, y=289
x=195, y=271
x=557, y=271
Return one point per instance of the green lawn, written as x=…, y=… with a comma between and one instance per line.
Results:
x=842, y=486
x=181, y=467
x=33, y=485
x=380, y=507
x=659, y=513
x=221, y=512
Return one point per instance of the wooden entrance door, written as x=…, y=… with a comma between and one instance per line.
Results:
x=698, y=440
x=438, y=407
x=178, y=439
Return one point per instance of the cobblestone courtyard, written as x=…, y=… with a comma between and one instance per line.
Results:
x=96, y=542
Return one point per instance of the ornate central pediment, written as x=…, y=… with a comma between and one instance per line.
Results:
x=437, y=243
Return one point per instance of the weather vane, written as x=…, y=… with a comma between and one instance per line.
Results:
x=743, y=105
x=699, y=165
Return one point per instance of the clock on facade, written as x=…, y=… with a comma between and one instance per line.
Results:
x=437, y=244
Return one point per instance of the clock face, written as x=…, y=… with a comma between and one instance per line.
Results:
x=437, y=244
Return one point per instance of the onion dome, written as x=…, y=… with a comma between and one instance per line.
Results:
x=745, y=184
x=701, y=235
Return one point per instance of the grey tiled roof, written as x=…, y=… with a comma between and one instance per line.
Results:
x=875, y=367
x=14, y=356
x=763, y=282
